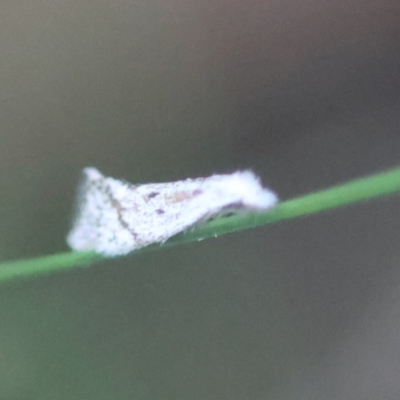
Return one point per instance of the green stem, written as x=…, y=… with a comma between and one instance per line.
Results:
x=355, y=191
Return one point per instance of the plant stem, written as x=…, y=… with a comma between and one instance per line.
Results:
x=355, y=191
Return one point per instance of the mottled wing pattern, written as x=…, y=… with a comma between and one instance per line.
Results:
x=115, y=218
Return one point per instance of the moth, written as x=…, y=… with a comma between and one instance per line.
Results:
x=114, y=217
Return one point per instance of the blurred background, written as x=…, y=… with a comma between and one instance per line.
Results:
x=306, y=94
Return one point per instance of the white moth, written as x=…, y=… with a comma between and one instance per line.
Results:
x=114, y=217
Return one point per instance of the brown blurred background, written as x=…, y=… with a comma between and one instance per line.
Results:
x=307, y=94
